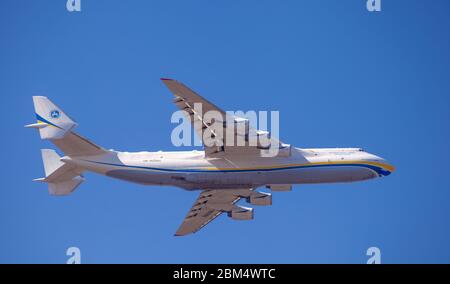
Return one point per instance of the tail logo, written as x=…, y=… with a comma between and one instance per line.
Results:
x=55, y=114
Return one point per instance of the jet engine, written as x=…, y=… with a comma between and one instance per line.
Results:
x=279, y=187
x=260, y=198
x=241, y=213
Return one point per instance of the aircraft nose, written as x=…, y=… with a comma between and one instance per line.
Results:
x=385, y=167
x=389, y=166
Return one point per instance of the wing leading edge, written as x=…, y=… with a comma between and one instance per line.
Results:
x=186, y=100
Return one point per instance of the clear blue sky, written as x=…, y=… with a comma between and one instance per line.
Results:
x=339, y=75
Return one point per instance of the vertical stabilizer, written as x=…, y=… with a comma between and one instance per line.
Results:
x=55, y=125
x=52, y=122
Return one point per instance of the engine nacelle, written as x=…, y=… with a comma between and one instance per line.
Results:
x=241, y=213
x=279, y=187
x=260, y=198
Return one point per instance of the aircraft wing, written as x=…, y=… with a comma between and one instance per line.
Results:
x=251, y=140
x=209, y=205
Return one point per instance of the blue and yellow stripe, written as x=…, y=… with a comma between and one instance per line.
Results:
x=40, y=119
x=380, y=168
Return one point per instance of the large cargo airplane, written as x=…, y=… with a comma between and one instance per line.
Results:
x=222, y=174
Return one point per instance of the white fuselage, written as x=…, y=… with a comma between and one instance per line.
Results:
x=191, y=170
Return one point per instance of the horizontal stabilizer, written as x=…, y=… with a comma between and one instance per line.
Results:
x=62, y=178
x=65, y=187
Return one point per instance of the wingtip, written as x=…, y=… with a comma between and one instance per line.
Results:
x=179, y=234
x=166, y=79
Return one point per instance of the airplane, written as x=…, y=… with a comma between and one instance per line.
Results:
x=224, y=174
